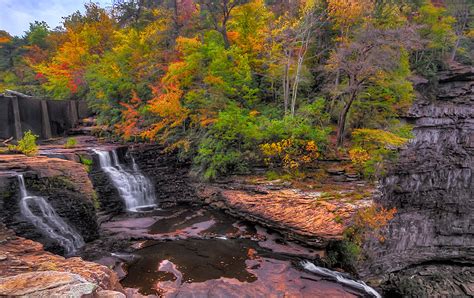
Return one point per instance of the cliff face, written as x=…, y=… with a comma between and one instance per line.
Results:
x=432, y=188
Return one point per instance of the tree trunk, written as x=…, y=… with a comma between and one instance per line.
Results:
x=285, y=95
x=286, y=81
x=341, y=124
x=294, y=92
x=455, y=49
x=223, y=31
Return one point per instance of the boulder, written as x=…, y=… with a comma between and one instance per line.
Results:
x=46, y=284
x=29, y=270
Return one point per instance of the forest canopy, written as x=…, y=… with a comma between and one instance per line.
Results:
x=230, y=84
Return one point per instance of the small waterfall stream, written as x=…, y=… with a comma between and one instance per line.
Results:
x=360, y=285
x=135, y=189
x=42, y=215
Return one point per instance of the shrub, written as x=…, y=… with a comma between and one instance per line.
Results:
x=290, y=154
x=87, y=162
x=343, y=254
x=26, y=145
x=359, y=157
x=70, y=143
x=367, y=223
x=297, y=127
x=229, y=145
x=372, y=148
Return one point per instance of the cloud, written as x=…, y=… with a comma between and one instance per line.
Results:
x=15, y=15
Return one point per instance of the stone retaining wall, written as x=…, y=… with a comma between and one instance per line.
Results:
x=44, y=117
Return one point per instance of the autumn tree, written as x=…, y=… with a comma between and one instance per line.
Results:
x=218, y=12
x=463, y=12
x=87, y=37
x=436, y=27
x=138, y=59
x=373, y=52
x=347, y=14
x=15, y=52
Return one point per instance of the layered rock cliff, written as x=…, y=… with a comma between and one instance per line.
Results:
x=432, y=188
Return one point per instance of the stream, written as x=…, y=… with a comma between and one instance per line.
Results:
x=193, y=251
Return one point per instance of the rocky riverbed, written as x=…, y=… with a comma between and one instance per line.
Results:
x=186, y=250
x=171, y=248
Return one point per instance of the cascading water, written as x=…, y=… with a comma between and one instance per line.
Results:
x=360, y=285
x=135, y=189
x=42, y=215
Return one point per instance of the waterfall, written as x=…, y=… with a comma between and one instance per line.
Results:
x=47, y=220
x=340, y=278
x=135, y=189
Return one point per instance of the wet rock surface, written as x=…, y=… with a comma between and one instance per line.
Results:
x=322, y=214
x=26, y=269
x=274, y=278
x=432, y=188
x=169, y=174
x=190, y=251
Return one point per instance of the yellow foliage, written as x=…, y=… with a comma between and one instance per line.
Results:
x=213, y=80
x=254, y=113
x=371, y=139
x=347, y=13
x=185, y=145
x=187, y=45
x=290, y=153
x=359, y=156
x=167, y=106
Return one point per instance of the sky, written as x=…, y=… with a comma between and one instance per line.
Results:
x=16, y=15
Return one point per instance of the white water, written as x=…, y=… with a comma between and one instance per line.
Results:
x=48, y=221
x=340, y=278
x=135, y=189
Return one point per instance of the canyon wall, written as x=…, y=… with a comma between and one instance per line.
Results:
x=432, y=188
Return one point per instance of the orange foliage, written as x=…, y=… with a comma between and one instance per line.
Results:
x=166, y=104
x=128, y=127
x=5, y=39
x=368, y=223
x=233, y=36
